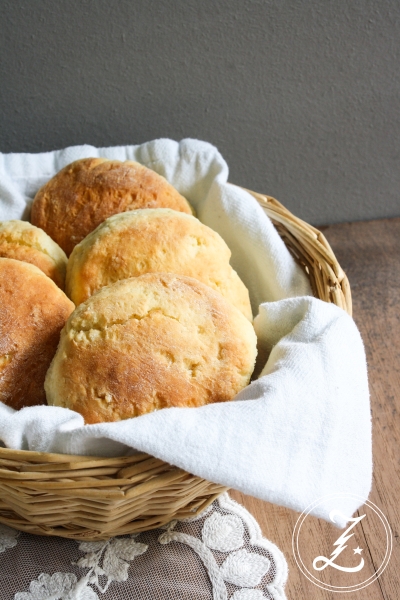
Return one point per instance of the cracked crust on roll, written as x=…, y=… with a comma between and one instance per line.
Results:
x=33, y=310
x=22, y=241
x=150, y=342
x=160, y=240
x=88, y=191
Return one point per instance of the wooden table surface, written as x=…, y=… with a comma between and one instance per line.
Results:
x=369, y=253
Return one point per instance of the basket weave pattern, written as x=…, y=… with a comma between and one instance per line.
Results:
x=94, y=498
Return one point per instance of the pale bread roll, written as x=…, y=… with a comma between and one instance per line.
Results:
x=22, y=241
x=153, y=241
x=33, y=310
x=83, y=194
x=150, y=342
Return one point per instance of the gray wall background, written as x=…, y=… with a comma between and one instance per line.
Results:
x=300, y=97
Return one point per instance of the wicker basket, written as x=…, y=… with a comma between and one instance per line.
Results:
x=95, y=498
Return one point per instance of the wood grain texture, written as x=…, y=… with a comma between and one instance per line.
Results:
x=369, y=253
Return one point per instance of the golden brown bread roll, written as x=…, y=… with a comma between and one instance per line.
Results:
x=150, y=342
x=33, y=311
x=22, y=241
x=149, y=241
x=86, y=192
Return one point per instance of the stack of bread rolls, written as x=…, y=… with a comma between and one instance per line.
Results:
x=146, y=313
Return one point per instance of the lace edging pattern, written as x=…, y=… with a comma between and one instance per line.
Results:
x=223, y=531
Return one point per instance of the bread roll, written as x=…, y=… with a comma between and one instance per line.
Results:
x=86, y=192
x=33, y=310
x=150, y=342
x=150, y=241
x=22, y=241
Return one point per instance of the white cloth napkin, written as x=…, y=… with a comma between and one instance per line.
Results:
x=301, y=431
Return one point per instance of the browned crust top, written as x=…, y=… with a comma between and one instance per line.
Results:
x=35, y=257
x=83, y=194
x=155, y=341
x=33, y=311
x=158, y=240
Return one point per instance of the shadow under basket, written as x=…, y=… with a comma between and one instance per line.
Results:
x=94, y=498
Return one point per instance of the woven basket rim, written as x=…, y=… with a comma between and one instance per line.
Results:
x=311, y=250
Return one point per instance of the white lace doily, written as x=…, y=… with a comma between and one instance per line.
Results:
x=220, y=555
